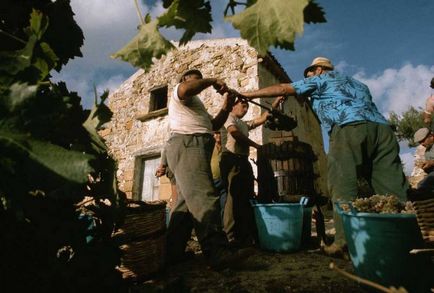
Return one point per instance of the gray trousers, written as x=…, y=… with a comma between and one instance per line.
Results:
x=197, y=206
x=365, y=150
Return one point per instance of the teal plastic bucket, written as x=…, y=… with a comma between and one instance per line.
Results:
x=379, y=246
x=279, y=226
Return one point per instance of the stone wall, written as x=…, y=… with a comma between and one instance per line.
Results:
x=132, y=134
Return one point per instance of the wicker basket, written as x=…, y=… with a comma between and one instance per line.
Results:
x=142, y=259
x=425, y=219
x=142, y=240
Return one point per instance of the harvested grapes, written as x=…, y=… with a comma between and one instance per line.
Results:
x=380, y=204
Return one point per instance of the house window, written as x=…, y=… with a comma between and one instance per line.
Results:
x=149, y=183
x=158, y=99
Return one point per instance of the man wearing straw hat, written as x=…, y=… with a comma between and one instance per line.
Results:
x=362, y=143
x=188, y=153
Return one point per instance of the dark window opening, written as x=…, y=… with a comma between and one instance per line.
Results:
x=158, y=99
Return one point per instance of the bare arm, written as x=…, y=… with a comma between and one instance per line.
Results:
x=192, y=87
x=429, y=108
x=263, y=118
x=222, y=115
x=241, y=138
x=283, y=89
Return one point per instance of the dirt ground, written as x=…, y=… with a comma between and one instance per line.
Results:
x=304, y=271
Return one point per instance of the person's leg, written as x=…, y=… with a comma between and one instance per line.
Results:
x=228, y=172
x=179, y=230
x=344, y=160
x=190, y=162
x=387, y=174
x=245, y=225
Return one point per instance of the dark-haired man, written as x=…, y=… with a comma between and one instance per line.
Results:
x=188, y=153
x=237, y=173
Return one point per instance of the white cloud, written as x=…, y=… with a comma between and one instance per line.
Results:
x=398, y=89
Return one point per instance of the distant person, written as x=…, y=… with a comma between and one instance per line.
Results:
x=425, y=137
x=429, y=108
x=188, y=153
x=237, y=174
x=163, y=169
x=362, y=143
x=215, y=169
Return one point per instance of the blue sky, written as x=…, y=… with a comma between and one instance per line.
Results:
x=389, y=45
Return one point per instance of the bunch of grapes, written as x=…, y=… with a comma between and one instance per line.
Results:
x=381, y=204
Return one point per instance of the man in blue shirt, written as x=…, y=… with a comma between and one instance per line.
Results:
x=362, y=144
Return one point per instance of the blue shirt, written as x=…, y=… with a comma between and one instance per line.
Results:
x=339, y=99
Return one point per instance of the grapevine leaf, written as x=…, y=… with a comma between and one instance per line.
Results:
x=63, y=34
x=19, y=94
x=38, y=24
x=270, y=22
x=57, y=162
x=313, y=13
x=146, y=44
x=192, y=15
x=99, y=115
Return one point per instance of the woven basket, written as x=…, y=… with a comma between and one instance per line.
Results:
x=142, y=240
x=142, y=259
x=143, y=219
x=425, y=218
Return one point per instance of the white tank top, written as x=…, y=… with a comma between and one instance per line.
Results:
x=188, y=118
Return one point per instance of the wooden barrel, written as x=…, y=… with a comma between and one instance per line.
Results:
x=285, y=171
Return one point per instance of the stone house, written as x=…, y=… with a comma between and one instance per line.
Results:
x=139, y=127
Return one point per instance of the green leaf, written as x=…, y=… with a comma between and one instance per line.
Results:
x=38, y=24
x=271, y=23
x=47, y=61
x=192, y=15
x=15, y=61
x=19, y=93
x=99, y=115
x=146, y=44
x=313, y=13
x=67, y=165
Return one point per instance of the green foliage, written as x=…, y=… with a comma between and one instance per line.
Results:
x=148, y=43
x=52, y=159
x=271, y=22
x=63, y=34
x=407, y=124
x=263, y=23
x=192, y=15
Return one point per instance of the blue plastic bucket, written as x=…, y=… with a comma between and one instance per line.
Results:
x=379, y=246
x=279, y=226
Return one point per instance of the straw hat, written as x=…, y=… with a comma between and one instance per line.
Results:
x=421, y=134
x=319, y=61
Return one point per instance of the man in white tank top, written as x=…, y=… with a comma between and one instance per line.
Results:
x=188, y=153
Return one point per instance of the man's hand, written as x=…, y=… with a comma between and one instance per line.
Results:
x=427, y=165
x=220, y=86
x=229, y=100
x=277, y=101
x=161, y=171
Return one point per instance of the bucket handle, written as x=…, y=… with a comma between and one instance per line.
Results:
x=304, y=200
